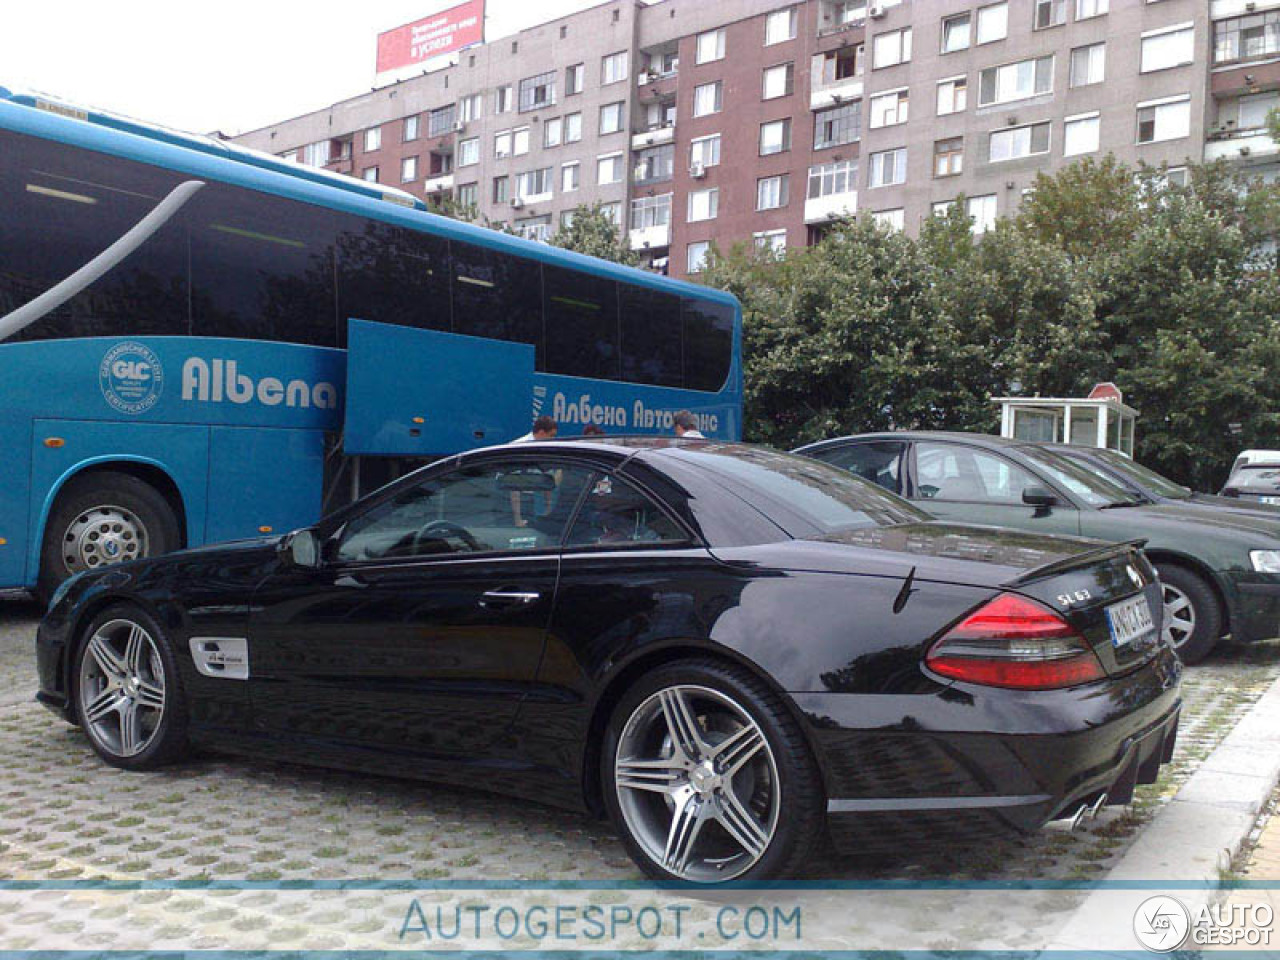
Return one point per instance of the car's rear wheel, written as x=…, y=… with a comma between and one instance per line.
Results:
x=128, y=695
x=708, y=777
x=1192, y=615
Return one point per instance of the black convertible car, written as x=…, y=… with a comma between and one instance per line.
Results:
x=724, y=647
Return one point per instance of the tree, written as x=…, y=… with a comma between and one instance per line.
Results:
x=593, y=231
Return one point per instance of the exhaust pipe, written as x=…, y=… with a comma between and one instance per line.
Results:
x=1079, y=817
x=1097, y=806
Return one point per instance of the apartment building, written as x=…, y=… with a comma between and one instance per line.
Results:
x=758, y=121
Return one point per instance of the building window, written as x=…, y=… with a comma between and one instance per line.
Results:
x=500, y=189
x=370, y=174
x=993, y=22
x=439, y=164
x=538, y=92
x=468, y=151
x=1015, y=81
x=1240, y=38
x=469, y=108
x=779, y=81
x=552, y=132
x=570, y=177
x=1168, y=48
x=1252, y=112
x=696, y=256
x=609, y=169
x=613, y=211
x=519, y=141
x=535, y=228
x=892, y=48
x=502, y=99
x=952, y=95
x=705, y=151
x=502, y=144
x=610, y=118
x=372, y=139
x=775, y=137
x=948, y=157
x=895, y=219
x=842, y=64
x=656, y=164
x=706, y=99
x=613, y=68
x=955, y=33
x=1050, y=13
x=649, y=212
x=1017, y=142
x=941, y=208
x=780, y=26
x=408, y=169
x=710, y=46
x=572, y=127
x=772, y=242
x=1091, y=8
x=982, y=211
x=534, y=183
x=888, y=109
x=574, y=78
x=440, y=121
x=704, y=204
x=837, y=125
x=1080, y=134
x=1164, y=120
x=833, y=179
x=1088, y=64
x=888, y=167
x=410, y=128
x=773, y=192
x=468, y=195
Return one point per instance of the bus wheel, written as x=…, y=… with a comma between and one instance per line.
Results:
x=102, y=518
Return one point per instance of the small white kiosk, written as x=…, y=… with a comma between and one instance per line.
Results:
x=1100, y=420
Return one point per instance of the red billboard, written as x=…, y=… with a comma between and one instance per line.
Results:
x=434, y=36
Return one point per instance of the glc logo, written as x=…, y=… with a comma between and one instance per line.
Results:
x=131, y=377
x=1161, y=924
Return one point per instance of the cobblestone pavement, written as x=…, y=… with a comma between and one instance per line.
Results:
x=65, y=815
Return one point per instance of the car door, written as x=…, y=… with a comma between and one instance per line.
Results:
x=969, y=484
x=423, y=627
x=879, y=461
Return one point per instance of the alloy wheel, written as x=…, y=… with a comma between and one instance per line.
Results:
x=697, y=784
x=101, y=536
x=1179, y=616
x=122, y=688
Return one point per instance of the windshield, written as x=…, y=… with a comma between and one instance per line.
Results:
x=1142, y=476
x=827, y=497
x=1093, y=489
x=1260, y=477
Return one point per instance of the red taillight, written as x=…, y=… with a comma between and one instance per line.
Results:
x=1015, y=642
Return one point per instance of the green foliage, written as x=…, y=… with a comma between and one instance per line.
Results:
x=1106, y=274
x=593, y=232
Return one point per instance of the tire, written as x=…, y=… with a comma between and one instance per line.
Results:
x=98, y=510
x=769, y=775
x=1192, y=614
x=108, y=685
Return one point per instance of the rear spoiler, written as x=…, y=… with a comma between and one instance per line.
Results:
x=1075, y=560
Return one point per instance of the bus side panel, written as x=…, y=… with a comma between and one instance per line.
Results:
x=15, y=471
x=263, y=480
x=181, y=451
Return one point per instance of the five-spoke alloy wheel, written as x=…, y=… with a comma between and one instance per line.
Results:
x=1193, y=617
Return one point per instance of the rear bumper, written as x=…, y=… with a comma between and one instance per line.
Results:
x=972, y=762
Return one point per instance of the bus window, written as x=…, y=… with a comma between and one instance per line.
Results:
x=62, y=208
x=391, y=275
x=582, y=323
x=496, y=295
x=652, y=338
x=708, y=344
x=262, y=268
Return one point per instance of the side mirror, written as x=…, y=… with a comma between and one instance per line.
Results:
x=1230, y=492
x=1039, y=497
x=301, y=549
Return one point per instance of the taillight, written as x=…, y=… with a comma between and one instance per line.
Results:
x=1015, y=642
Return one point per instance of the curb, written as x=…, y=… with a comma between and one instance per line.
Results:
x=1196, y=835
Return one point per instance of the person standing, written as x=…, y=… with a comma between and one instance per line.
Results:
x=686, y=425
x=544, y=428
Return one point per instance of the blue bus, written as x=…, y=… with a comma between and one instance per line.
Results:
x=200, y=344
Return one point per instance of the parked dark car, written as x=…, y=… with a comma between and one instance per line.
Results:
x=1254, y=484
x=1220, y=572
x=1115, y=466
x=724, y=647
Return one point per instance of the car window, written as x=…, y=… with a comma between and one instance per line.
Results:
x=1088, y=486
x=947, y=471
x=516, y=505
x=1265, y=478
x=879, y=461
x=616, y=513
x=1140, y=475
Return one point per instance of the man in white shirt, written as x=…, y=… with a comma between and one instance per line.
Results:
x=544, y=428
x=687, y=426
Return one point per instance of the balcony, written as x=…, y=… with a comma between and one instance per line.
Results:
x=822, y=209
x=1245, y=146
x=438, y=183
x=654, y=137
x=650, y=238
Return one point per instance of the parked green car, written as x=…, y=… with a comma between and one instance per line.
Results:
x=1221, y=573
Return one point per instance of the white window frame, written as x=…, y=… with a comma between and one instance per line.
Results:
x=696, y=256
x=1029, y=129
x=1184, y=99
x=1186, y=55
x=617, y=109
x=570, y=176
x=373, y=140
x=763, y=240
x=879, y=114
x=784, y=140
x=984, y=14
x=408, y=169
x=701, y=145
x=1020, y=96
x=937, y=99
x=896, y=57
x=967, y=17
x=1068, y=122
x=895, y=218
x=519, y=141
x=1099, y=8
x=615, y=163
x=573, y=127
x=716, y=44
x=981, y=226
x=718, y=89
x=703, y=205
x=789, y=26
x=788, y=80
x=502, y=144
x=875, y=161
x=552, y=132
x=779, y=192
x=1071, y=64
x=613, y=68
x=468, y=152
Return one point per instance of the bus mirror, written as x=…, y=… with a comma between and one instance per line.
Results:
x=301, y=549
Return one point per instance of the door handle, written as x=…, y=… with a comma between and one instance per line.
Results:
x=508, y=598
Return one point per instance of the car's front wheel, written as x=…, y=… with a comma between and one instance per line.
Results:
x=708, y=777
x=128, y=695
x=1192, y=616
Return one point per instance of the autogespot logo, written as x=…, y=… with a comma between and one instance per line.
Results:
x=131, y=377
x=1161, y=924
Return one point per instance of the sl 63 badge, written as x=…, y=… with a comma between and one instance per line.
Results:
x=1070, y=599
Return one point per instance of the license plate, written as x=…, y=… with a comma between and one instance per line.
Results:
x=1129, y=620
x=1270, y=499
